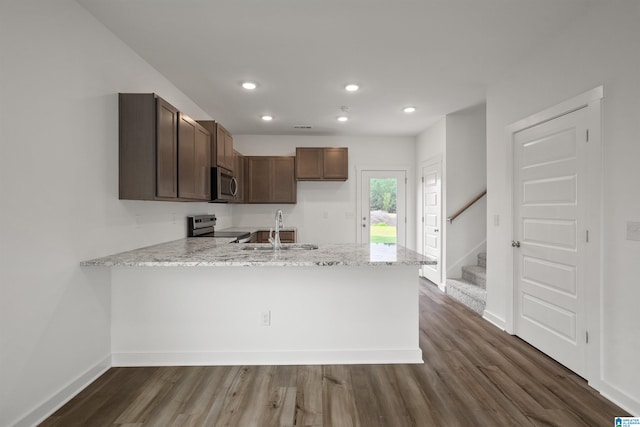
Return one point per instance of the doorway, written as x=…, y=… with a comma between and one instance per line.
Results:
x=382, y=210
x=432, y=235
x=556, y=178
x=549, y=256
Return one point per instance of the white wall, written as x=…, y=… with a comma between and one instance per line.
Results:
x=466, y=178
x=326, y=211
x=600, y=48
x=432, y=141
x=61, y=72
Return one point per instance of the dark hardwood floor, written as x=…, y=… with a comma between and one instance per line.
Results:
x=473, y=375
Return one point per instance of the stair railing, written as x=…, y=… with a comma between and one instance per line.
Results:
x=467, y=206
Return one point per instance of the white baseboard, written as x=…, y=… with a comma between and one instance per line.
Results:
x=496, y=321
x=230, y=358
x=62, y=396
x=620, y=398
x=442, y=287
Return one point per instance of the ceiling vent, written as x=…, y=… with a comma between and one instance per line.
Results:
x=302, y=126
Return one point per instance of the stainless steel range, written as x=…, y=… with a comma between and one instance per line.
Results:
x=204, y=226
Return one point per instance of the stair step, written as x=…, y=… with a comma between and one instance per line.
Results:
x=475, y=274
x=468, y=294
x=482, y=259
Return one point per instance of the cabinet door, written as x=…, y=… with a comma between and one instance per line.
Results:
x=288, y=237
x=202, y=164
x=228, y=150
x=210, y=126
x=166, y=149
x=220, y=147
x=259, y=179
x=309, y=163
x=271, y=179
x=193, y=160
x=224, y=148
x=284, y=184
x=263, y=236
x=336, y=164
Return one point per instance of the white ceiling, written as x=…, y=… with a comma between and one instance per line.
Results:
x=437, y=55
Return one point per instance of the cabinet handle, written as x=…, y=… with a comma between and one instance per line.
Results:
x=515, y=243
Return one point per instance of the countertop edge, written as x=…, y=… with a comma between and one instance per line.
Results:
x=212, y=252
x=144, y=264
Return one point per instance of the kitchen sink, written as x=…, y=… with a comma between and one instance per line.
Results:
x=285, y=247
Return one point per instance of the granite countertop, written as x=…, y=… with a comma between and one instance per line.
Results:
x=252, y=229
x=218, y=252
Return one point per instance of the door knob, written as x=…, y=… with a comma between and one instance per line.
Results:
x=515, y=243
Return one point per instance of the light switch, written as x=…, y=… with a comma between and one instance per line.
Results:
x=496, y=220
x=633, y=230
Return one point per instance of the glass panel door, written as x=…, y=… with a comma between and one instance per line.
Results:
x=383, y=207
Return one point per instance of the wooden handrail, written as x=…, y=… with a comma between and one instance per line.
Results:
x=467, y=206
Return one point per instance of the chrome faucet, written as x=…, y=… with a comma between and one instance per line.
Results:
x=275, y=240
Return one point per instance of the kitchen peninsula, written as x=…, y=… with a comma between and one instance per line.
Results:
x=205, y=301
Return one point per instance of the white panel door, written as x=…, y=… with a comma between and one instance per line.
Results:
x=383, y=207
x=432, y=220
x=550, y=238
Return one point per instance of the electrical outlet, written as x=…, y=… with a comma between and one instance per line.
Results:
x=265, y=318
x=633, y=230
x=325, y=215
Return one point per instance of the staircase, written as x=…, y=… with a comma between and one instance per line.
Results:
x=470, y=289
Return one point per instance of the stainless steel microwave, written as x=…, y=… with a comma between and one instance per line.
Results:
x=224, y=186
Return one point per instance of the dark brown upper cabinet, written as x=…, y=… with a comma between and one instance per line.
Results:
x=270, y=179
x=160, y=151
x=322, y=163
x=221, y=144
x=194, y=153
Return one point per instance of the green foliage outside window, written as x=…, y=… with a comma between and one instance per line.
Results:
x=383, y=194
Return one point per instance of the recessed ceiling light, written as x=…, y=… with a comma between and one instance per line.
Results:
x=351, y=87
x=343, y=118
x=249, y=85
x=409, y=109
x=267, y=118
